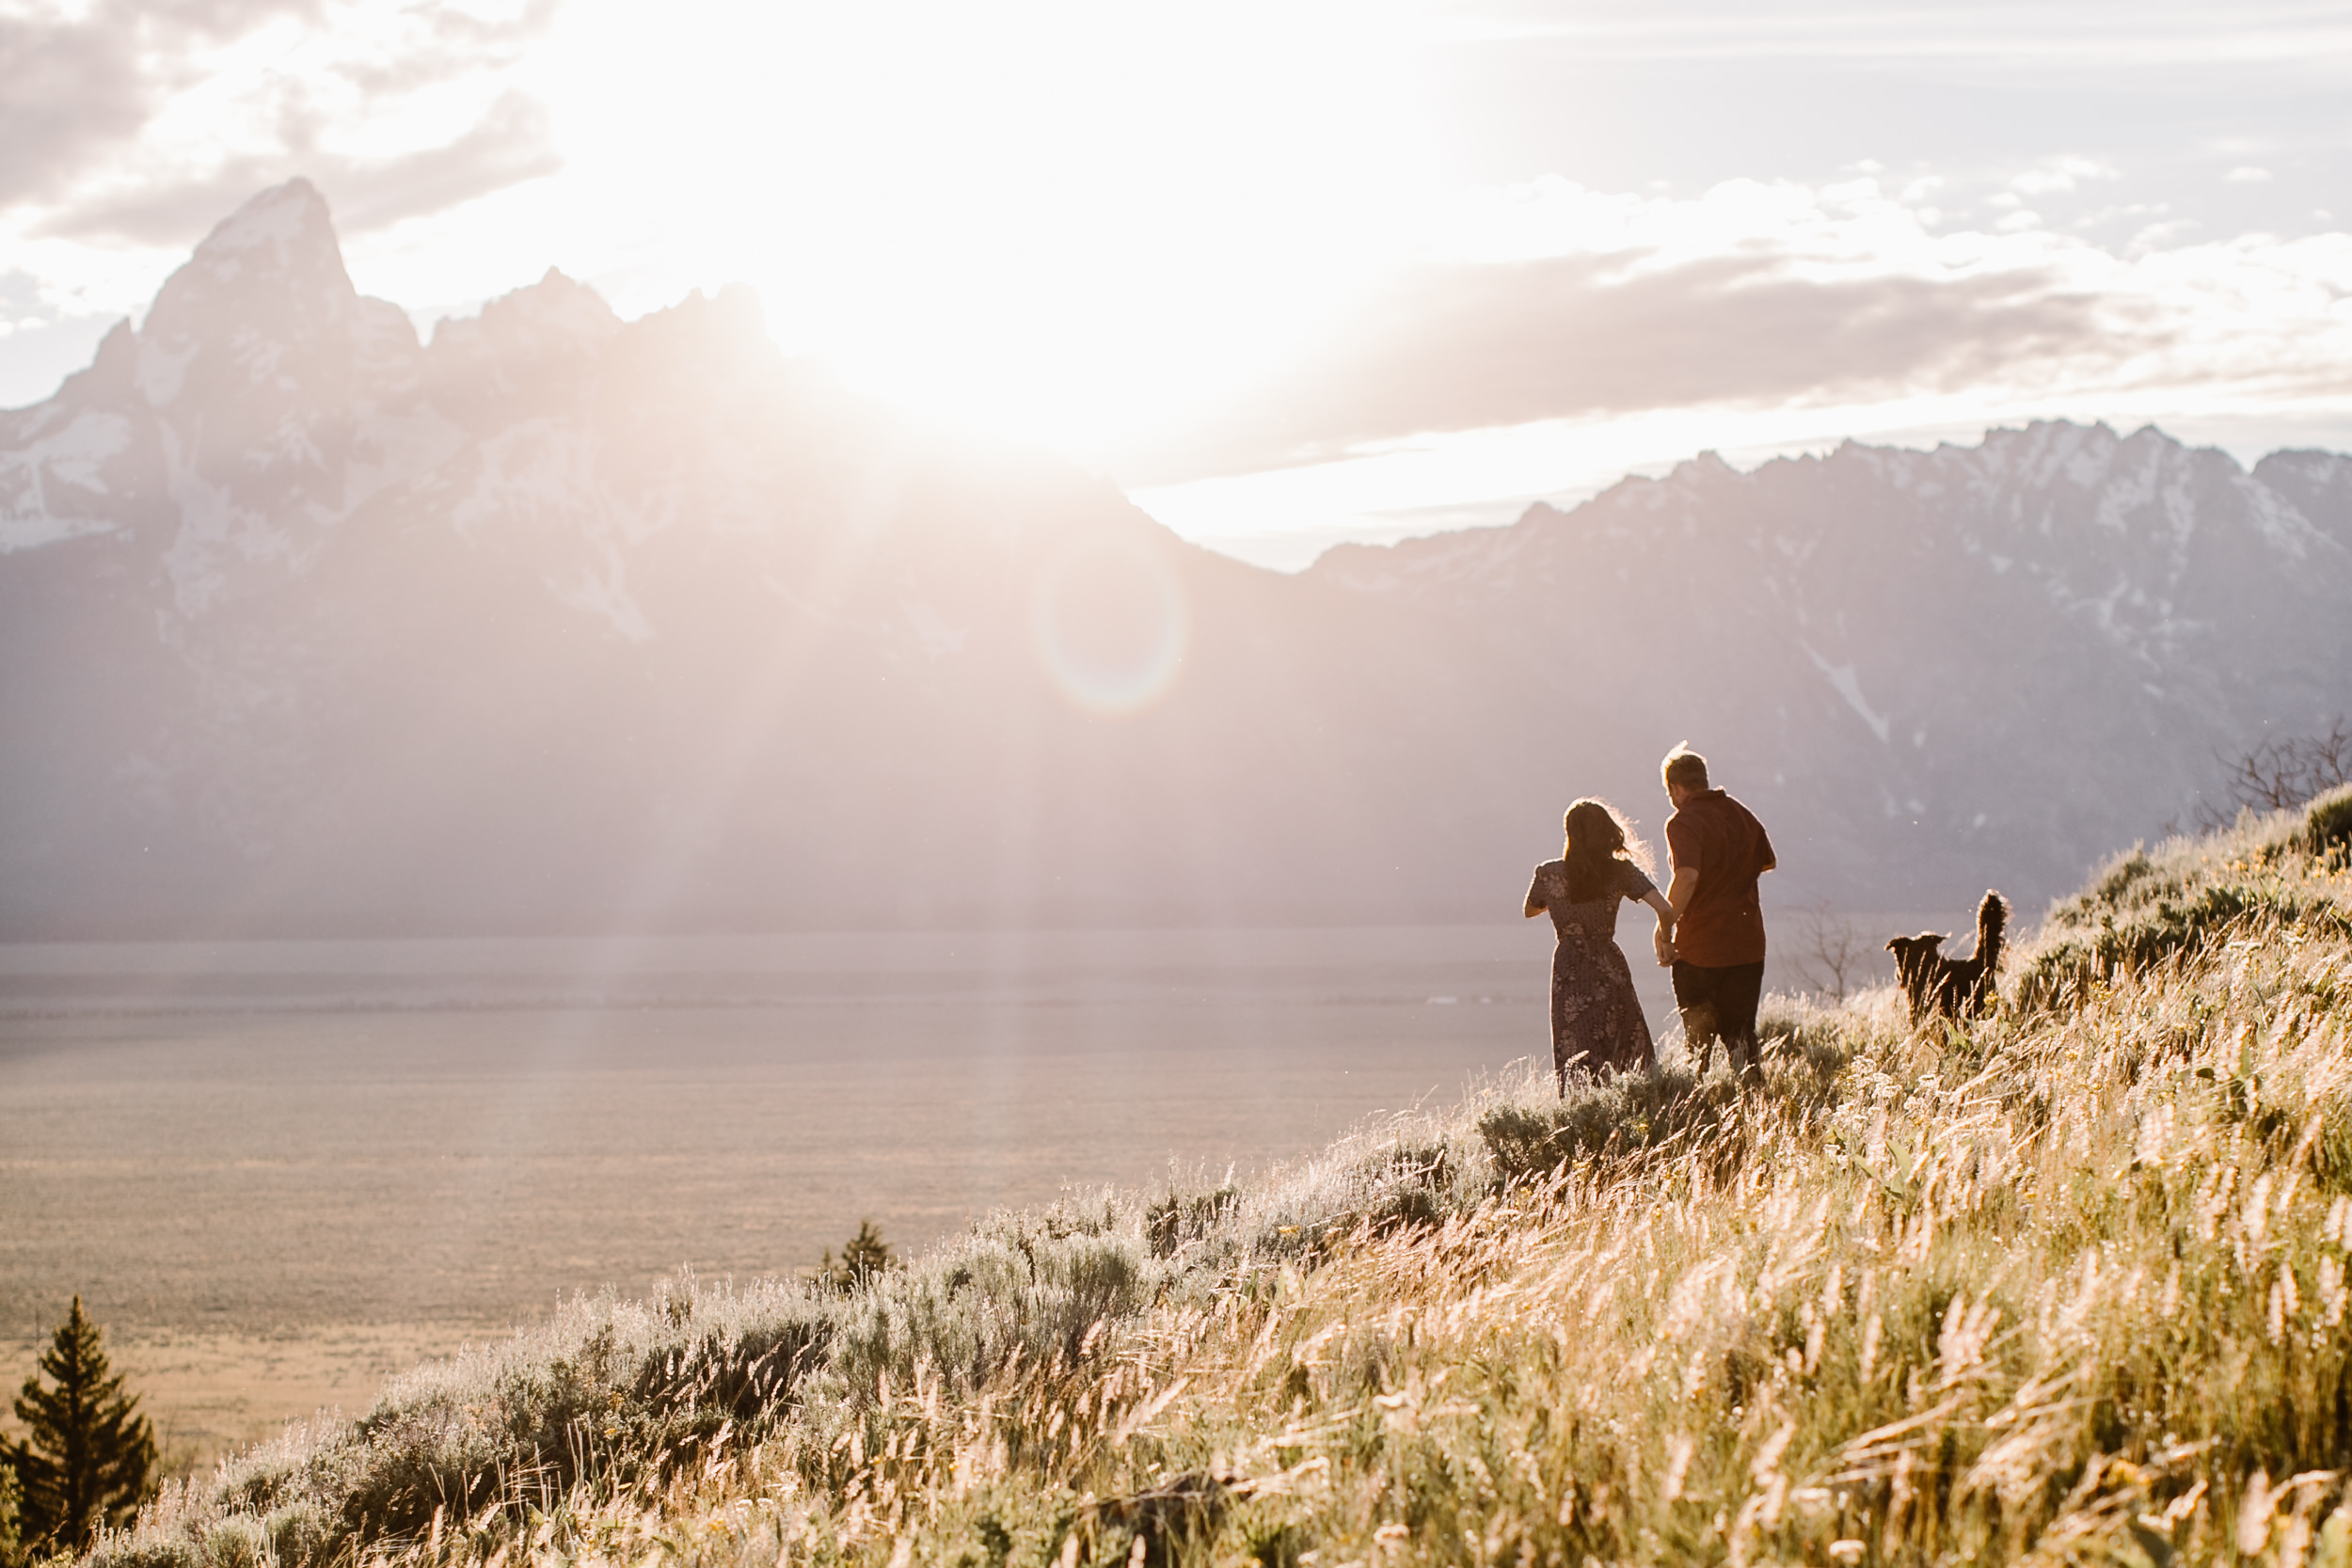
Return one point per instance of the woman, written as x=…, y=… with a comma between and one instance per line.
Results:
x=1596, y=1020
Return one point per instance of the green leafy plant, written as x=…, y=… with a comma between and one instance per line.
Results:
x=11, y=1516
x=2330, y=821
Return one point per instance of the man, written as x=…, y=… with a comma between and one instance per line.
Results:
x=1718, y=849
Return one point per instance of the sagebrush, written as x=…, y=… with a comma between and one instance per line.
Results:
x=2067, y=1282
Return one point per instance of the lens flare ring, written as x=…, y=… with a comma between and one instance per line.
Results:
x=1111, y=625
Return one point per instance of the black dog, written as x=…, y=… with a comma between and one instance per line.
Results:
x=1956, y=988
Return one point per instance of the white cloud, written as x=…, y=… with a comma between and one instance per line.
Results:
x=2061, y=175
x=129, y=127
x=1548, y=302
x=1215, y=239
x=2281, y=33
x=1591, y=334
x=2248, y=174
x=340, y=92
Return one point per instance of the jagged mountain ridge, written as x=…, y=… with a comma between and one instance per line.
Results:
x=2001, y=656
x=560, y=623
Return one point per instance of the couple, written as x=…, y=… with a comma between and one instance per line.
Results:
x=1711, y=927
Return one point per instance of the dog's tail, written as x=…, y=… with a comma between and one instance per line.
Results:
x=1992, y=923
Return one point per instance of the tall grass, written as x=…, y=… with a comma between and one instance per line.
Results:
x=2064, y=1283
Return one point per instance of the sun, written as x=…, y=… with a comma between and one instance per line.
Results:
x=1061, y=222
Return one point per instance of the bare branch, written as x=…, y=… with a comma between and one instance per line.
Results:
x=1832, y=954
x=2281, y=772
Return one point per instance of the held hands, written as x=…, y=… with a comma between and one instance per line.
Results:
x=1665, y=942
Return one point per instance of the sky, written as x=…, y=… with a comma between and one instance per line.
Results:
x=1287, y=271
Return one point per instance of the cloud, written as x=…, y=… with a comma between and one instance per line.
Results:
x=511, y=143
x=69, y=92
x=1468, y=346
x=75, y=89
x=212, y=19
x=2056, y=176
x=2264, y=33
x=446, y=42
x=1550, y=304
x=145, y=120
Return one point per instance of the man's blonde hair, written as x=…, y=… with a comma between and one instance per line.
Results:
x=1684, y=768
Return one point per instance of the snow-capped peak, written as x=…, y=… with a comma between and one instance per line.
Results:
x=278, y=248
x=285, y=219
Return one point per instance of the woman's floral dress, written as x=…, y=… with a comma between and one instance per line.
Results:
x=1597, y=1021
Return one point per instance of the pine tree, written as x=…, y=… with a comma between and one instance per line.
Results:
x=11, y=1542
x=88, y=1452
x=863, y=1256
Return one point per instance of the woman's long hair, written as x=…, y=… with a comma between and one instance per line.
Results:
x=1598, y=836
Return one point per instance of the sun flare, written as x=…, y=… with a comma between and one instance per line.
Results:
x=1071, y=219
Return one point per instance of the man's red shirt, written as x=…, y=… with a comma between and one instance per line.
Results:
x=1722, y=840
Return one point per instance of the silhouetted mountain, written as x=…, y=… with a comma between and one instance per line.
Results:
x=562, y=622
x=1948, y=668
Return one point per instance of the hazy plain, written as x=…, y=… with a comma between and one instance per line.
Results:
x=277, y=1171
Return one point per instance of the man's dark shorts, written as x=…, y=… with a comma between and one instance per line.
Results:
x=1720, y=1004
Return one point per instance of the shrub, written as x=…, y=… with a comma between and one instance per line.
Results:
x=11, y=1532
x=1178, y=1219
x=2056, y=1284
x=2328, y=821
x=2267, y=875
x=1671, y=1111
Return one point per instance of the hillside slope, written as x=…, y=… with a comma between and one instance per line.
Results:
x=2066, y=1283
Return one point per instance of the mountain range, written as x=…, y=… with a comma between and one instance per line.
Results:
x=559, y=622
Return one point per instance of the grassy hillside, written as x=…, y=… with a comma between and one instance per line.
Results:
x=2067, y=1283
